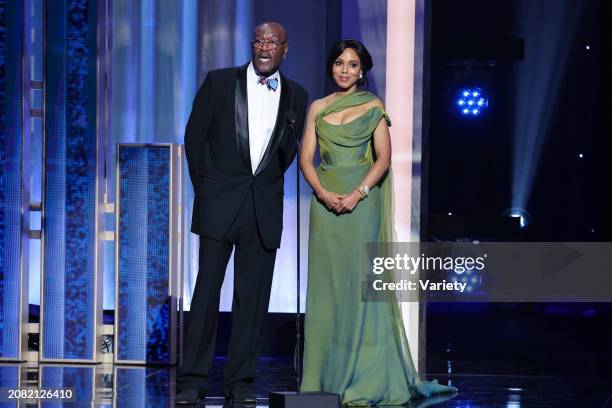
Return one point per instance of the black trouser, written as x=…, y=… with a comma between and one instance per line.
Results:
x=253, y=269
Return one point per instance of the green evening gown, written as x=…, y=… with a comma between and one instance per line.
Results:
x=353, y=348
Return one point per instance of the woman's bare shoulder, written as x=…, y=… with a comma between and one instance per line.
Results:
x=319, y=104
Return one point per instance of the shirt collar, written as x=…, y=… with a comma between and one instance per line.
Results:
x=253, y=74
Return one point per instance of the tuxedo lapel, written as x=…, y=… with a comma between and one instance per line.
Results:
x=242, y=117
x=279, y=127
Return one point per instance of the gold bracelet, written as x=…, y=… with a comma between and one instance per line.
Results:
x=364, y=190
x=361, y=193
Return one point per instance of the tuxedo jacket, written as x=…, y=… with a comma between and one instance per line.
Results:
x=217, y=149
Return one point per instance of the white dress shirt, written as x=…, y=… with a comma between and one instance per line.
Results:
x=263, y=107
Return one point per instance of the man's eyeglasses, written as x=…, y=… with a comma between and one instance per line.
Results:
x=272, y=45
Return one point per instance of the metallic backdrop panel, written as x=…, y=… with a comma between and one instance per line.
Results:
x=11, y=101
x=68, y=321
x=144, y=304
x=9, y=378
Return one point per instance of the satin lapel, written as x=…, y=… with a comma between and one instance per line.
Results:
x=242, y=117
x=279, y=126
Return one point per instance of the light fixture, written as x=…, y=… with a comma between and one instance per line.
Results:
x=471, y=101
x=520, y=213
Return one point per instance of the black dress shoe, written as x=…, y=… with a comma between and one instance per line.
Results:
x=189, y=396
x=242, y=395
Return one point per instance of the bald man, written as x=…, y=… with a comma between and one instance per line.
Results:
x=239, y=141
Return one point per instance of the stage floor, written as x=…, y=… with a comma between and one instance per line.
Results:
x=122, y=386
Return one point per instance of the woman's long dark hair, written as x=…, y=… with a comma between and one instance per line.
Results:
x=362, y=52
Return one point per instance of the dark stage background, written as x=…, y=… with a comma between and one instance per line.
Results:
x=546, y=67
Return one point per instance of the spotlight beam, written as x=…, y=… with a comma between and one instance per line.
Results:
x=549, y=33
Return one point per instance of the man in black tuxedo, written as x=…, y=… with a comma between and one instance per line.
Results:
x=239, y=141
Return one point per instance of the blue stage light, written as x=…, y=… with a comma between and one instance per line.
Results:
x=475, y=99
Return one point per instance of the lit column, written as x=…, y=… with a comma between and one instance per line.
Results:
x=404, y=66
x=73, y=183
x=14, y=105
x=148, y=269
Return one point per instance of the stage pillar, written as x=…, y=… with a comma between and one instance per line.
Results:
x=148, y=268
x=403, y=98
x=14, y=121
x=73, y=182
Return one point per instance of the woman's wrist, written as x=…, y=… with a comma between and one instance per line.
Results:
x=363, y=189
x=357, y=194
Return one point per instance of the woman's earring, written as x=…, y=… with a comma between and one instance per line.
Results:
x=360, y=75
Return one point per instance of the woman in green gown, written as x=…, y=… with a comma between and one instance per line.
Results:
x=353, y=348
